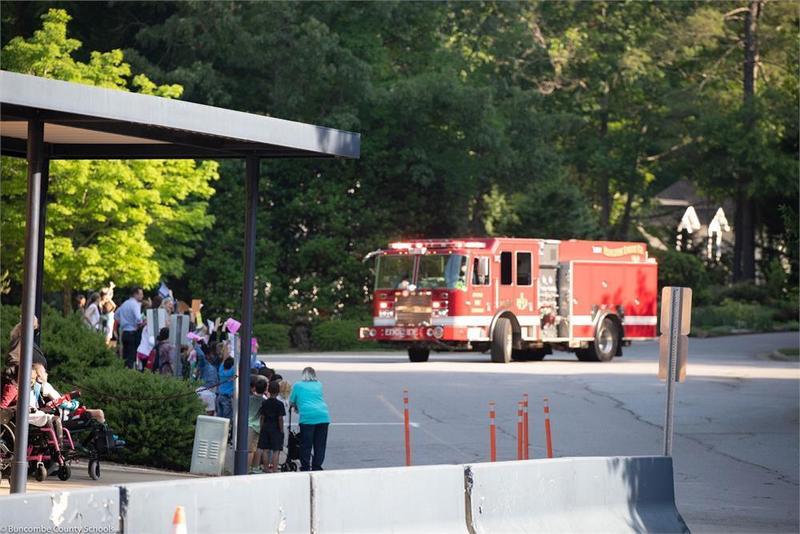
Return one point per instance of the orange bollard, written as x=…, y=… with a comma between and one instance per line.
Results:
x=526, y=451
x=520, y=430
x=179, y=521
x=547, y=428
x=407, y=427
x=492, y=434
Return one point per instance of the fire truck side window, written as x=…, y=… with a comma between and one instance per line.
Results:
x=505, y=268
x=480, y=277
x=523, y=268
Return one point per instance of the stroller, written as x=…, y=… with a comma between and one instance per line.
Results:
x=292, y=448
x=93, y=440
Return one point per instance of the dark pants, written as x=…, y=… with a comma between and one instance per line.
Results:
x=130, y=342
x=316, y=437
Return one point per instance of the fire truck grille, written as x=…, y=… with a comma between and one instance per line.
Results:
x=413, y=309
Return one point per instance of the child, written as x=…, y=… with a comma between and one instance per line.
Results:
x=271, y=437
x=285, y=392
x=162, y=347
x=165, y=354
x=258, y=385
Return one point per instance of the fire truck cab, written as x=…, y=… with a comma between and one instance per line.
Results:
x=516, y=298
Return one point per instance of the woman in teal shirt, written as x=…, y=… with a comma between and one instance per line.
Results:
x=306, y=398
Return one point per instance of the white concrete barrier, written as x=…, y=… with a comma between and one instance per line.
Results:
x=83, y=510
x=278, y=502
x=624, y=494
x=427, y=499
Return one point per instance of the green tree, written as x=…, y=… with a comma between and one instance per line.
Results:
x=740, y=63
x=127, y=221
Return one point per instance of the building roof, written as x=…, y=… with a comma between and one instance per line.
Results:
x=87, y=122
x=680, y=193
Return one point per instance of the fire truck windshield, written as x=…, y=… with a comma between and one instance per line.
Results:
x=439, y=272
x=391, y=271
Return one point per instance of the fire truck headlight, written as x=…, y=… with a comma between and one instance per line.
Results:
x=429, y=332
x=372, y=332
x=438, y=332
x=436, y=305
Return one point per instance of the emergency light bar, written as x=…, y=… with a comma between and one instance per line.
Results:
x=437, y=244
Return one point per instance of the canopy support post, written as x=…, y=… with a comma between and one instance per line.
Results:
x=36, y=164
x=252, y=173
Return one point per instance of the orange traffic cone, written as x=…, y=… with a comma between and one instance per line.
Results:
x=179, y=521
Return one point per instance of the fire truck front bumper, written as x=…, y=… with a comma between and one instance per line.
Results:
x=411, y=334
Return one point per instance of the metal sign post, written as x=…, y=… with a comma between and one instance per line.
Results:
x=676, y=316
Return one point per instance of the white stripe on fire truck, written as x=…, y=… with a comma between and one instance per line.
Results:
x=482, y=320
x=524, y=320
x=640, y=320
x=630, y=320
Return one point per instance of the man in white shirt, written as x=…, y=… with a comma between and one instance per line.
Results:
x=129, y=316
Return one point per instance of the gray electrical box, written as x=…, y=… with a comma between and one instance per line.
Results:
x=210, y=445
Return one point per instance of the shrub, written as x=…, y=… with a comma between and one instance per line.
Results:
x=786, y=311
x=70, y=347
x=339, y=335
x=680, y=269
x=155, y=414
x=742, y=292
x=272, y=337
x=776, y=279
x=733, y=314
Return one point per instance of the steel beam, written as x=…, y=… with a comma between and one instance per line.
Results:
x=36, y=164
x=252, y=172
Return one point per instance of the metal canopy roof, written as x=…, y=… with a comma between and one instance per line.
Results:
x=87, y=122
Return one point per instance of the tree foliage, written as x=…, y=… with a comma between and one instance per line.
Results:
x=558, y=119
x=127, y=221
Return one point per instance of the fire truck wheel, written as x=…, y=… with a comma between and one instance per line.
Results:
x=502, y=341
x=416, y=354
x=606, y=340
x=604, y=346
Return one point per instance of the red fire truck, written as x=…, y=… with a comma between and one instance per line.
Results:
x=516, y=298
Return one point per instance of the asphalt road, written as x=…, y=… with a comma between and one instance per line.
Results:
x=736, y=421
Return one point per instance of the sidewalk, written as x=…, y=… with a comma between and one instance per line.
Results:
x=110, y=474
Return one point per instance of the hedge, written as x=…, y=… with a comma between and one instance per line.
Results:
x=272, y=337
x=732, y=315
x=339, y=335
x=154, y=414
